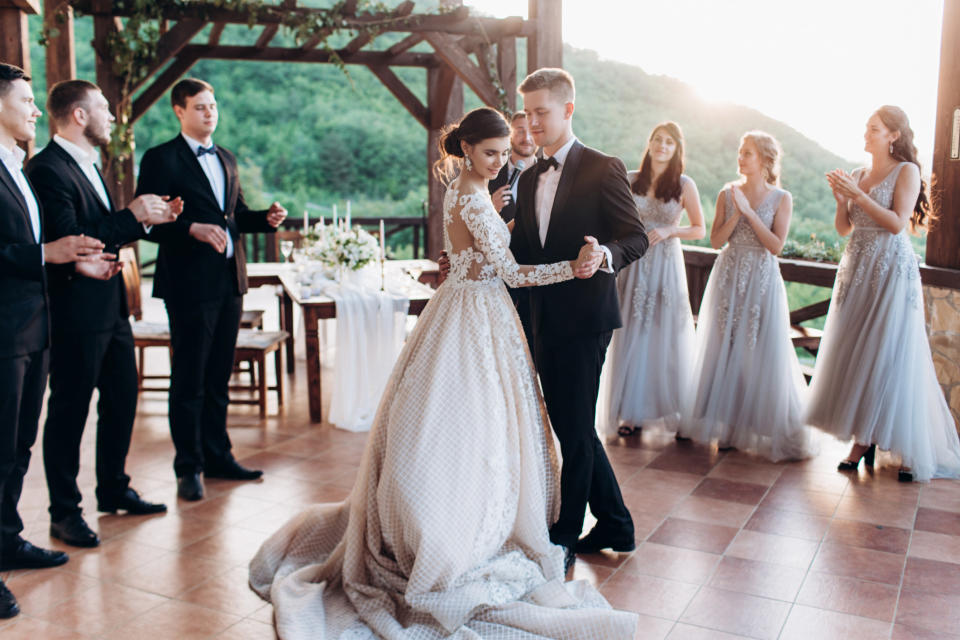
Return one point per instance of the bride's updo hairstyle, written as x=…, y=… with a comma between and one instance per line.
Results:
x=903, y=150
x=478, y=125
x=770, y=153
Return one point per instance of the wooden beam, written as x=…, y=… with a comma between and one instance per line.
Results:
x=112, y=86
x=402, y=93
x=283, y=54
x=27, y=6
x=943, y=243
x=15, y=47
x=458, y=21
x=410, y=41
x=545, y=47
x=61, y=62
x=267, y=35
x=164, y=81
x=458, y=60
x=445, y=101
x=171, y=43
x=215, y=33
x=507, y=69
x=359, y=42
x=316, y=39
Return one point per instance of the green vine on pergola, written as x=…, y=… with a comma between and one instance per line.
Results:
x=134, y=48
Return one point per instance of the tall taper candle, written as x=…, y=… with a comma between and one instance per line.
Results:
x=306, y=222
x=383, y=242
x=348, y=214
x=334, y=216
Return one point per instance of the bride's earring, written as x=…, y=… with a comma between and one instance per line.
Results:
x=468, y=163
x=891, y=147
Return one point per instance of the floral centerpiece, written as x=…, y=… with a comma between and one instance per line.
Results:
x=341, y=246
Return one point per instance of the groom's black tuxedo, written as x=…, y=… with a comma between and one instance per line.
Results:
x=203, y=292
x=24, y=334
x=91, y=344
x=572, y=323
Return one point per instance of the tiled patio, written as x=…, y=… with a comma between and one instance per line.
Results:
x=728, y=546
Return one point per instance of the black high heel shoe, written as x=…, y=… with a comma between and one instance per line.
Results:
x=868, y=457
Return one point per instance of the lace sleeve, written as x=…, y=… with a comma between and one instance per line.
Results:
x=482, y=221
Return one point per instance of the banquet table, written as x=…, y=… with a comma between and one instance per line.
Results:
x=321, y=307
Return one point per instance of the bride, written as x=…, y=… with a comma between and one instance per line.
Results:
x=445, y=532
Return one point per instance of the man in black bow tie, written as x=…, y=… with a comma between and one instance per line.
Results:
x=91, y=343
x=201, y=276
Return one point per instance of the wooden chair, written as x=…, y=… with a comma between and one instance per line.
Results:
x=253, y=344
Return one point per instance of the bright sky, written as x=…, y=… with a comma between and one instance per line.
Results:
x=821, y=66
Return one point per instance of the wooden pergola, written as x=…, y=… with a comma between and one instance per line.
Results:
x=462, y=44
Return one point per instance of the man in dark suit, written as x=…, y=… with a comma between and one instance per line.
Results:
x=575, y=193
x=91, y=340
x=23, y=321
x=503, y=188
x=201, y=276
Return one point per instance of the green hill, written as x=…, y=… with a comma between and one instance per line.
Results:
x=310, y=134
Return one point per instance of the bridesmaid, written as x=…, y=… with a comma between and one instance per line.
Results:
x=651, y=356
x=874, y=380
x=749, y=392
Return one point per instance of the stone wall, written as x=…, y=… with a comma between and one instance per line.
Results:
x=943, y=327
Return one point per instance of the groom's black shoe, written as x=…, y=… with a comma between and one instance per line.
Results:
x=597, y=540
x=75, y=531
x=129, y=501
x=231, y=470
x=569, y=558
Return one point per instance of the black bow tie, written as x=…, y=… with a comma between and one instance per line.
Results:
x=212, y=150
x=545, y=163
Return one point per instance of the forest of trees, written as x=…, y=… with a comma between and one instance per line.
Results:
x=311, y=135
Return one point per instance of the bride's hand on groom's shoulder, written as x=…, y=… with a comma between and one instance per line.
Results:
x=589, y=259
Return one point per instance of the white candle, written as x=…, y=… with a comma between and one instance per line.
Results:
x=334, y=215
x=383, y=242
x=306, y=222
x=323, y=230
x=348, y=215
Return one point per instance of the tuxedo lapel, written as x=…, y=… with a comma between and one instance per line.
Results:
x=231, y=183
x=568, y=175
x=79, y=177
x=8, y=181
x=196, y=171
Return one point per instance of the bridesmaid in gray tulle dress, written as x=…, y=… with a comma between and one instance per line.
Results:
x=875, y=382
x=650, y=361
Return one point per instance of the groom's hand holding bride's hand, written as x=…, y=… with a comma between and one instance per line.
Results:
x=589, y=260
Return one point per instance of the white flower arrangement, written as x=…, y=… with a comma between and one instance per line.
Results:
x=339, y=246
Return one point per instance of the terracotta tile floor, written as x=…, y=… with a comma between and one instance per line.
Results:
x=729, y=546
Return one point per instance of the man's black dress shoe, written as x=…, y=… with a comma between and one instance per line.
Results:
x=231, y=470
x=189, y=487
x=74, y=531
x=23, y=555
x=8, y=604
x=569, y=558
x=597, y=540
x=129, y=501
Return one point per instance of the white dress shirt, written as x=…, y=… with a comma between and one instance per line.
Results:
x=210, y=163
x=13, y=161
x=547, y=184
x=87, y=162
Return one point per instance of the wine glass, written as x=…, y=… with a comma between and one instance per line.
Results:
x=286, y=248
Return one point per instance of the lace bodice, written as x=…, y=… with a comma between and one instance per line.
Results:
x=477, y=242
x=655, y=213
x=743, y=234
x=881, y=193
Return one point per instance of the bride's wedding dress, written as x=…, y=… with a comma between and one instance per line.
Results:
x=445, y=532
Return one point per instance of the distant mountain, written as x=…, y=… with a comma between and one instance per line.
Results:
x=308, y=133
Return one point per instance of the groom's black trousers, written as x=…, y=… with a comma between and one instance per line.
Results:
x=569, y=368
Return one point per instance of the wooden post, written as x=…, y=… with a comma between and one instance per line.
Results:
x=545, y=49
x=112, y=87
x=61, y=61
x=507, y=68
x=445, y=102
x=15, y=39
x=943, y=243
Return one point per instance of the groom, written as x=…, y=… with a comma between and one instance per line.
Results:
x=572, y=193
